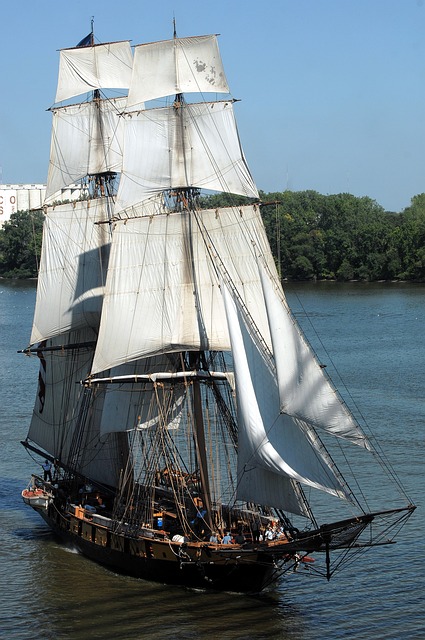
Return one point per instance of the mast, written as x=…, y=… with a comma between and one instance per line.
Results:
x=102, y=182
x=88, y=40
x=169, y=270
x=86, y=148
x=185, y=199
x=199, y=437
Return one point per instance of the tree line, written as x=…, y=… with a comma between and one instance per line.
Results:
x=341, y=237
x=312, y=237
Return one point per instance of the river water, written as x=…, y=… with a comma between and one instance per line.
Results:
x=374, y=334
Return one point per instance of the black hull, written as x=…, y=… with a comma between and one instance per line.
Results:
x=240, y=571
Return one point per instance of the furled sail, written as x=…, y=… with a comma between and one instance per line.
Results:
x=305, y=391
x=192, y=145
x=162, y=276
x=87, y=138
x=267, y=438
x=177, y=66
x=101, y=66
x=74, y=257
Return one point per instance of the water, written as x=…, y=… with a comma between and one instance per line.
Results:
x=374, y=335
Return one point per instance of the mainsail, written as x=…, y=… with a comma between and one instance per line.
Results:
x=163, y=275
x=86, y=147
x=66, y=420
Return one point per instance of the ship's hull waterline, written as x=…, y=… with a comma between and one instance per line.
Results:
x=193, y=565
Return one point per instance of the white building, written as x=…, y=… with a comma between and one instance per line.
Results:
x=23, y=197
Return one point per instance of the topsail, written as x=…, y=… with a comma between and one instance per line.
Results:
x=101, y=66
x=181, y=65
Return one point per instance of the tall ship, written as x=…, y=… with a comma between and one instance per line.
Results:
x=188, y=432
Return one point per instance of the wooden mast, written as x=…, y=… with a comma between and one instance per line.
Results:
x=185, y=199
x=201, y=450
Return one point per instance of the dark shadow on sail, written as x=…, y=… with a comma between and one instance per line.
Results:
x=91, y=273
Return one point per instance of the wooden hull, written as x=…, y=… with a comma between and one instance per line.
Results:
x=195, y=565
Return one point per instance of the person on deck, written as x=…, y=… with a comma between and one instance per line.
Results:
x=240, y=538
x=227, y=539
x=269, y=535
x=199, y=520
x=255, y=529
x=47, y=470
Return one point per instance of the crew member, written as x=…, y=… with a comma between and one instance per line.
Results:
x=47, y=470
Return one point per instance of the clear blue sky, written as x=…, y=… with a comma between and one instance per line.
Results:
x=332, y=91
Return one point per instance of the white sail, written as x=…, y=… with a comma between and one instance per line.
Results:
x=177, y=66
x=73, y=264
x=142, y=405
x=262, y=486
x=305, y=391
x=266, y=438
x=87, y=138
x=195, y=145
x=101, y=66
x=163, y=277
x=56, y=416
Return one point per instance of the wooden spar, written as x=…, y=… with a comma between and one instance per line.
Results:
x=199, y=434
x=328, y=562
x=154, y=377
x=41, y=348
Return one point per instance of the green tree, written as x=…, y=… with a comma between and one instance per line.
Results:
x=412, y=240
x=357, y=233
x=291, y=224
x=345, y=271
x=345, y=237
x=20, y=244
x=312, y=236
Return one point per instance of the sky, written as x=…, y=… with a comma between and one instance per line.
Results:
x=332, y=92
